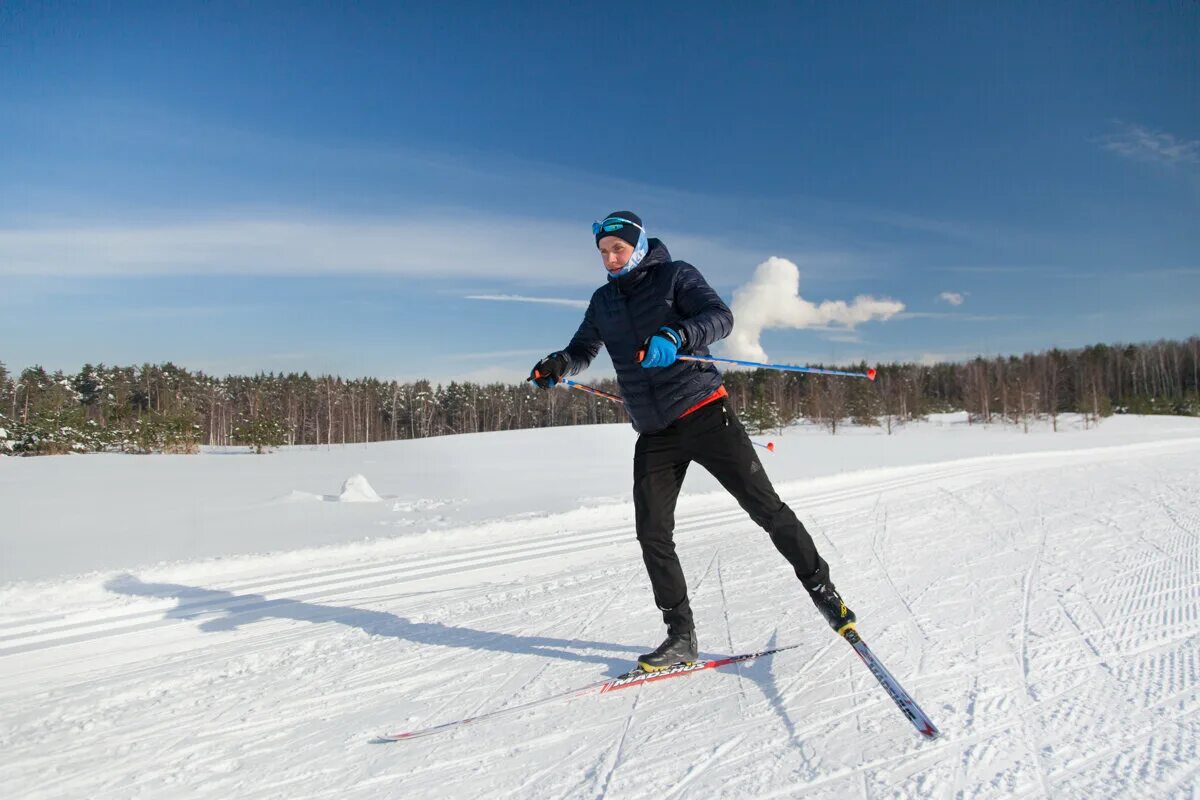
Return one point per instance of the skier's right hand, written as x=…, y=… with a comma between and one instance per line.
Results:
x=549, y=371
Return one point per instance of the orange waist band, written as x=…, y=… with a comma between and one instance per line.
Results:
x=712, y=398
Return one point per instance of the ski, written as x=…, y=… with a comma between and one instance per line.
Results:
x=635, y=677
x=903, y=700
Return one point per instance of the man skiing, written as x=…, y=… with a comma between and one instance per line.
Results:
x=650, y=310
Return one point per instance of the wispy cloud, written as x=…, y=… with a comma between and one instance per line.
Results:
x=1169, y=272
x=429, y=247
x=953, y=298
x=446, y=245
x=772, y=300
x=484, y=356
x=955, y=315
x=848, y=337
x=1140, y=143
x=519, y=298
x=1046, y=272
x=177, y=312
x=451, y=193
x=989, y=269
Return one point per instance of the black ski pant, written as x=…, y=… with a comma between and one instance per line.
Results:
x=714, y=438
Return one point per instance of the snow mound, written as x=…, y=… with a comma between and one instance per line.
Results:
x=356, y=489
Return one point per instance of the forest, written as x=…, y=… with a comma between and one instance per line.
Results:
x=167, y=408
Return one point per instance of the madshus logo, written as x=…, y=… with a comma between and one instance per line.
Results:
x=639, y=677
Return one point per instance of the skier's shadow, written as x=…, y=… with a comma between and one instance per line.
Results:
x=761, y=673
x=232, y=611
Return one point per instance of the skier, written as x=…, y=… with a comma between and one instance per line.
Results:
x=651, y=309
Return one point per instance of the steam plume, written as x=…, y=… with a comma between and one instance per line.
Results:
x=772, y=300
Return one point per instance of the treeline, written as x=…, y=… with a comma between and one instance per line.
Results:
x=1154, y=378
x=167, y=408
x=158, y=407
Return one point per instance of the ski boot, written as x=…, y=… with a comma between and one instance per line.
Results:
x=677, y=648
x=832, y=607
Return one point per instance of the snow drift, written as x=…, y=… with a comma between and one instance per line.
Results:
x=356, y=489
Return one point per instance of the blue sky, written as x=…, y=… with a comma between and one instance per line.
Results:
x=240, y=187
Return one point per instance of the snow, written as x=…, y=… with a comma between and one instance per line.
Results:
x=180, y=626
x=356, y=489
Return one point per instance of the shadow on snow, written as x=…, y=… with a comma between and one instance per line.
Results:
x=237, y=610
x=232, y=611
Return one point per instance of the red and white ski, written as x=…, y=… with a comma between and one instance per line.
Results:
x=634, y=678
x=637, y=677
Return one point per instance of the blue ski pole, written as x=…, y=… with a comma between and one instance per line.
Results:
x=869, y=374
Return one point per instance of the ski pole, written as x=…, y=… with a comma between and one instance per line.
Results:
x=567, y=383
x=869, y=374
x=583, y=387
x=591, y=390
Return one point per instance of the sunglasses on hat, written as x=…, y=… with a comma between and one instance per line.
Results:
x=613, y=224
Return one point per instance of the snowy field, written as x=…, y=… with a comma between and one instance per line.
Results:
x=233, y=626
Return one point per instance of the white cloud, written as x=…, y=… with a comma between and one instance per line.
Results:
x=772, y=300
x=447, y=245
x=494, y=354
x=957, y=316
x=430, y=247
x=518, y=298
x=987, y=270
x=953, y=298
x=1173, y=272
x=848, y=337
x=176, y=312
x=1144, y=144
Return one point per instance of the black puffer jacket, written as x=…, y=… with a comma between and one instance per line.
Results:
x=625, y=311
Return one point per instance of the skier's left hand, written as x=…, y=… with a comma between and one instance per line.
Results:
x=549, y=371
x=661, y=349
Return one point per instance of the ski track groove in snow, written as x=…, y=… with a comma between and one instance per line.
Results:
x=877, y=540
x=729, y=635
x=699, y=767
x=610, y=768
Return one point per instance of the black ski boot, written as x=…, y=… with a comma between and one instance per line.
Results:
x=832, y=607
x=677, y=648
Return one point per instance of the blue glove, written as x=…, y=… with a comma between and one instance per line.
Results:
x=661, y=349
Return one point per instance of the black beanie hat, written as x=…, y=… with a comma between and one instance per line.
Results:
x=628, y=233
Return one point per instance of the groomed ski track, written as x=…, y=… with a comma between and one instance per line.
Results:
x=1044, y=609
